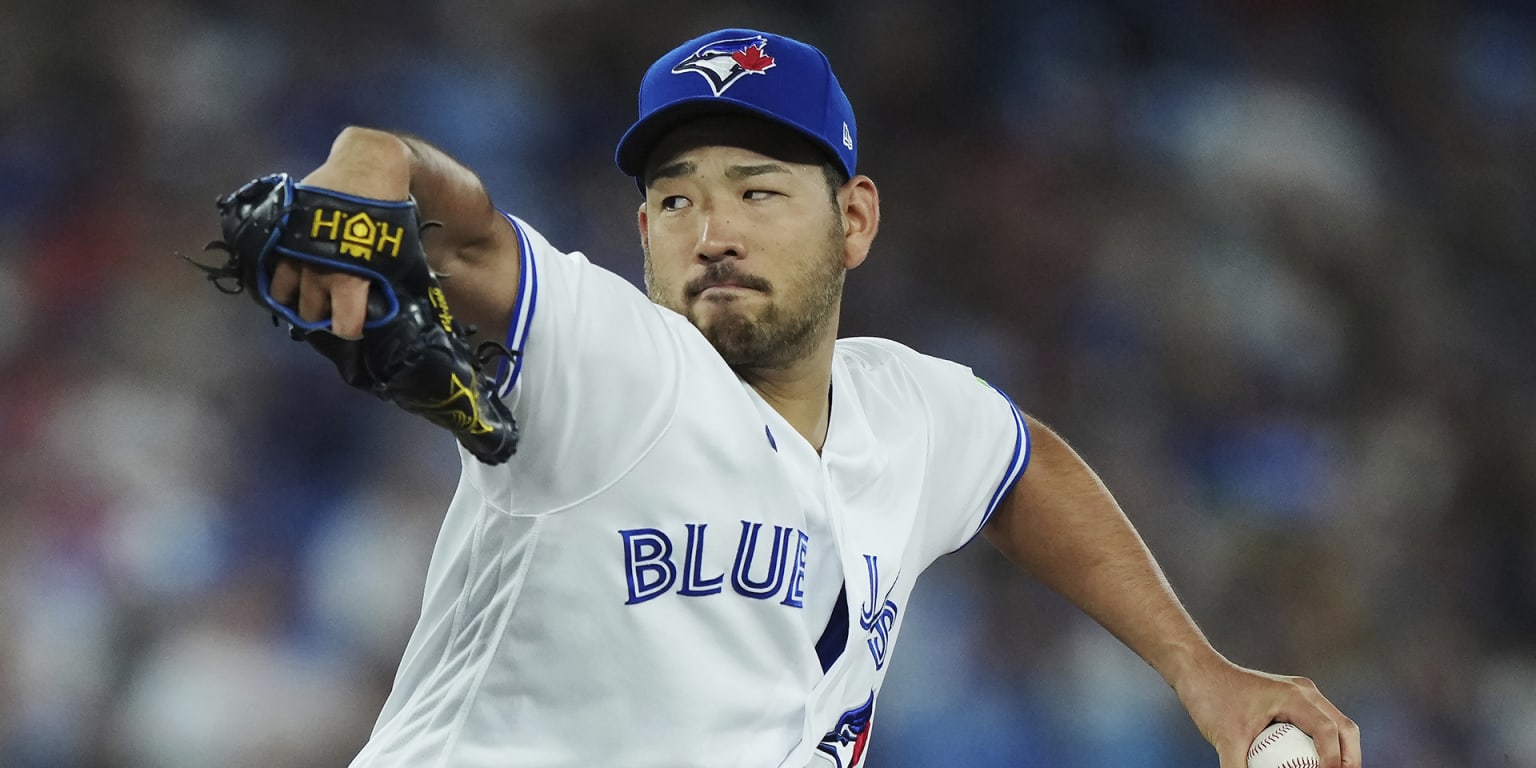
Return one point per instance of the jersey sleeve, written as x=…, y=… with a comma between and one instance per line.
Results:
x=594, y=379
x=978, y=447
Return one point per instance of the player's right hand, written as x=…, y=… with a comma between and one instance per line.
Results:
x=1231, y=705
x=318, y=293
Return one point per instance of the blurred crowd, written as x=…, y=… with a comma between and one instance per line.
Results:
x=1270, y=265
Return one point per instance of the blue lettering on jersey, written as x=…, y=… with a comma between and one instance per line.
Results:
x=876, y=617
x=650, y=569
x=746, y=551
x=647, y=564
x=794, y=596
x=694, y=583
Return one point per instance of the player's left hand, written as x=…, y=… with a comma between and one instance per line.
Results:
x=393, y=334
x=1231, y=704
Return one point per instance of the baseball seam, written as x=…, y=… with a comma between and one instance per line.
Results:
x=1270, y=739
x=1299, y=762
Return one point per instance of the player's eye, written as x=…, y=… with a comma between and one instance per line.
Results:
x=758, y=194
x=673, y=202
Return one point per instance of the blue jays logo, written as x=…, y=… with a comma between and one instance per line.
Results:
x=850, y=735
x=724, y=62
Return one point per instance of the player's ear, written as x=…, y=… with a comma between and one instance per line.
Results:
x=644, y=224
x=859, y=202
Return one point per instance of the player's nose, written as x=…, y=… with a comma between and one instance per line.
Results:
x=718, y=239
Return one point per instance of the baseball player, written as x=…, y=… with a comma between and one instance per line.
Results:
x=701, y=552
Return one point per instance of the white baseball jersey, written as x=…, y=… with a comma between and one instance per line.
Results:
x=667, y=574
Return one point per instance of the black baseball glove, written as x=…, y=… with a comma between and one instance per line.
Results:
x=412, y=352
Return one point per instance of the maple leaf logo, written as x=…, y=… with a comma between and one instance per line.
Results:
x=752, y=59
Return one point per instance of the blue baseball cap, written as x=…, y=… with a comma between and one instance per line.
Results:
x=742, y=71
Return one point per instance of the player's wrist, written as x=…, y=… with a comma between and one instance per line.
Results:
x=365, y=162
x=1188, y=667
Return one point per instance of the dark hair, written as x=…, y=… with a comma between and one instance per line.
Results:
x=833, y=172
x=836, y=176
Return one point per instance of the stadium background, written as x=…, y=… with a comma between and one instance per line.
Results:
x=1270, y=264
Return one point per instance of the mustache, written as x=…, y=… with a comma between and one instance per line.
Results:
x=722, y=273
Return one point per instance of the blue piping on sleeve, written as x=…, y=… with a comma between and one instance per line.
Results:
x=522, y=313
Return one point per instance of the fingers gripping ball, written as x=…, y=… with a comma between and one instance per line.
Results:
x=412, y=352
x=1283, y=745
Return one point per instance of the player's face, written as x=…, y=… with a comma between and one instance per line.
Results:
x=747, y=243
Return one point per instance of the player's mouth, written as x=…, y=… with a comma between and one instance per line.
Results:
x=723, y=283
x=724, y=290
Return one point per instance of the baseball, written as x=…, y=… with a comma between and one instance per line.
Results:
x=1283, y=745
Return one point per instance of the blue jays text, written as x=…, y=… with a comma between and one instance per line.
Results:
x=652, y=568
x=655, y=564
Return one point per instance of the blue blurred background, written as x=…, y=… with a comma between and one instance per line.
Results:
x=1269, y=264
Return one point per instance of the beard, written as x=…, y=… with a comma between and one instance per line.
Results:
x=783, y=332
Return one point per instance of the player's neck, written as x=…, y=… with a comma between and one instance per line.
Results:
x=800, y=393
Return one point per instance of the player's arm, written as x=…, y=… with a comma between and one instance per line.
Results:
x=474, y=251
x=1061, y=525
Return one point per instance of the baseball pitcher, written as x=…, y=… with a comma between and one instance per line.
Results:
x=689, y=520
